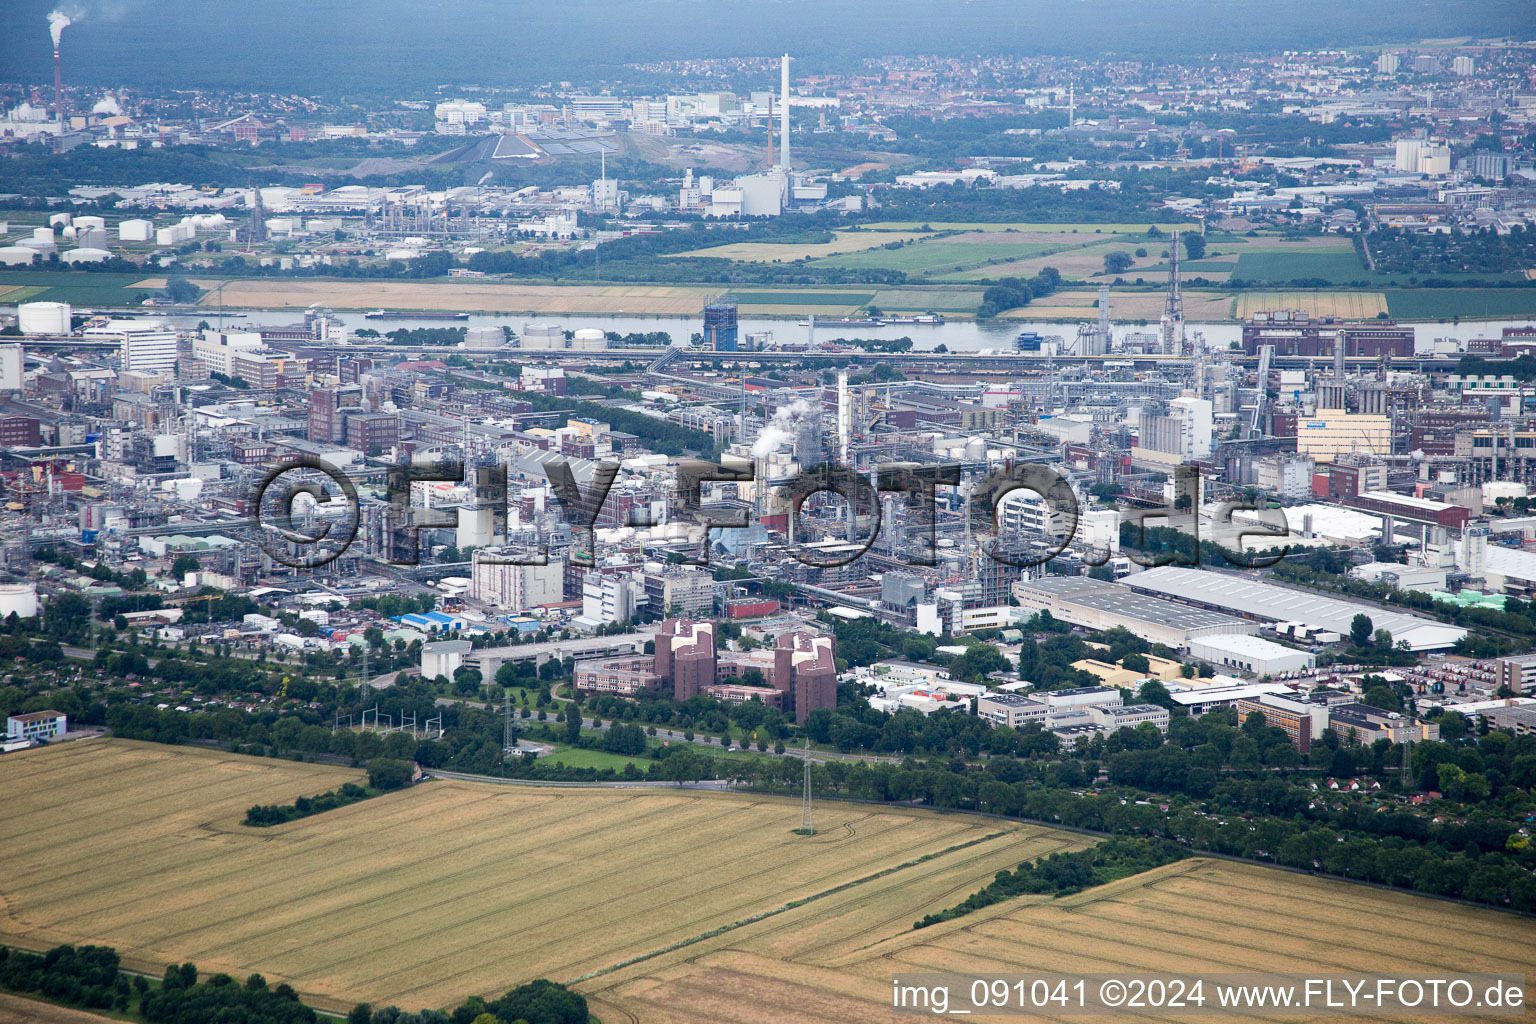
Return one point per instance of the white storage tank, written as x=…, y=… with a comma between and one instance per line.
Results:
x=1493, y=490
x=135, y=231
x=975, y=450
x=20, y=598
x=484, y=339
x=43, y=317
x=88, y=222
x=589, y=339
x=175, y=234
x=543, y=336
x=86, y=255
x=16, y=255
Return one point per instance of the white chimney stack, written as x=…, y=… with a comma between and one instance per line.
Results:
x=784, y=113
x=844, y=417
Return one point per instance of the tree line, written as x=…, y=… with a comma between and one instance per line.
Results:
x=91, y=977
x=266, y=815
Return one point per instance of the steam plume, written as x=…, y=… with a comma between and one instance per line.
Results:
x=780, y=428
x=58, y=21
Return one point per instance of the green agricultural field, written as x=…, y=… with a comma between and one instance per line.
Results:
x=1465, y=303
x=10, y=294
x=16, y=219
x=774, y=251
x=576, y=757
x=840, y=299
x=919, y=300
x=1032, y=226
x=1333, y=267
x=76, y=287
x=939, y=256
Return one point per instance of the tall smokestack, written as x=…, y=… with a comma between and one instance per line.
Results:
x=58, y=99
x=1338, y=356
x=58, y=21
x=784, y=113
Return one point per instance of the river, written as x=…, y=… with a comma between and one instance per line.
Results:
x=955, y=335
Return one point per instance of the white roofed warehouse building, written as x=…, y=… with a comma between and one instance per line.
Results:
x=1098, y=604
x=1251, y=655
x=35, y=726
x=1269, y=602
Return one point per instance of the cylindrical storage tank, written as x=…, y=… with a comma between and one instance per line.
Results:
x=1493, y=490
x=16, y=255
x=975, y=450
x=43, y=234
x=57, y=219
x=135, y=230
x=543, y=336
x=91, y=238
x=82, y=223
x=85, y=255
x=484, y=339
x=43, y=317
x=589, y=339
x=20, y=598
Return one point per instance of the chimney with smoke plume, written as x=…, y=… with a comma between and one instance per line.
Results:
x=58, y=21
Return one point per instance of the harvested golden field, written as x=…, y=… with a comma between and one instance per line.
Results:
x=18, y=1010
x=1348, y=305
x=13, y=295
x=462, y=296
x=788, y=252
x=1079, y=304
x=426, y=896
x=1193, y=916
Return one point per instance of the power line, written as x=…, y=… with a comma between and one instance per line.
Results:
x=807, y=824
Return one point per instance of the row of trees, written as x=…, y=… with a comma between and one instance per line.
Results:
x=91, y=977
x=264, y=815
x=1062, y=874
x=1013, y=292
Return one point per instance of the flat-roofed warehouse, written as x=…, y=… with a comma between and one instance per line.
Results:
x=1252, y=655
x=1096, y=604
x=1243, y=595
